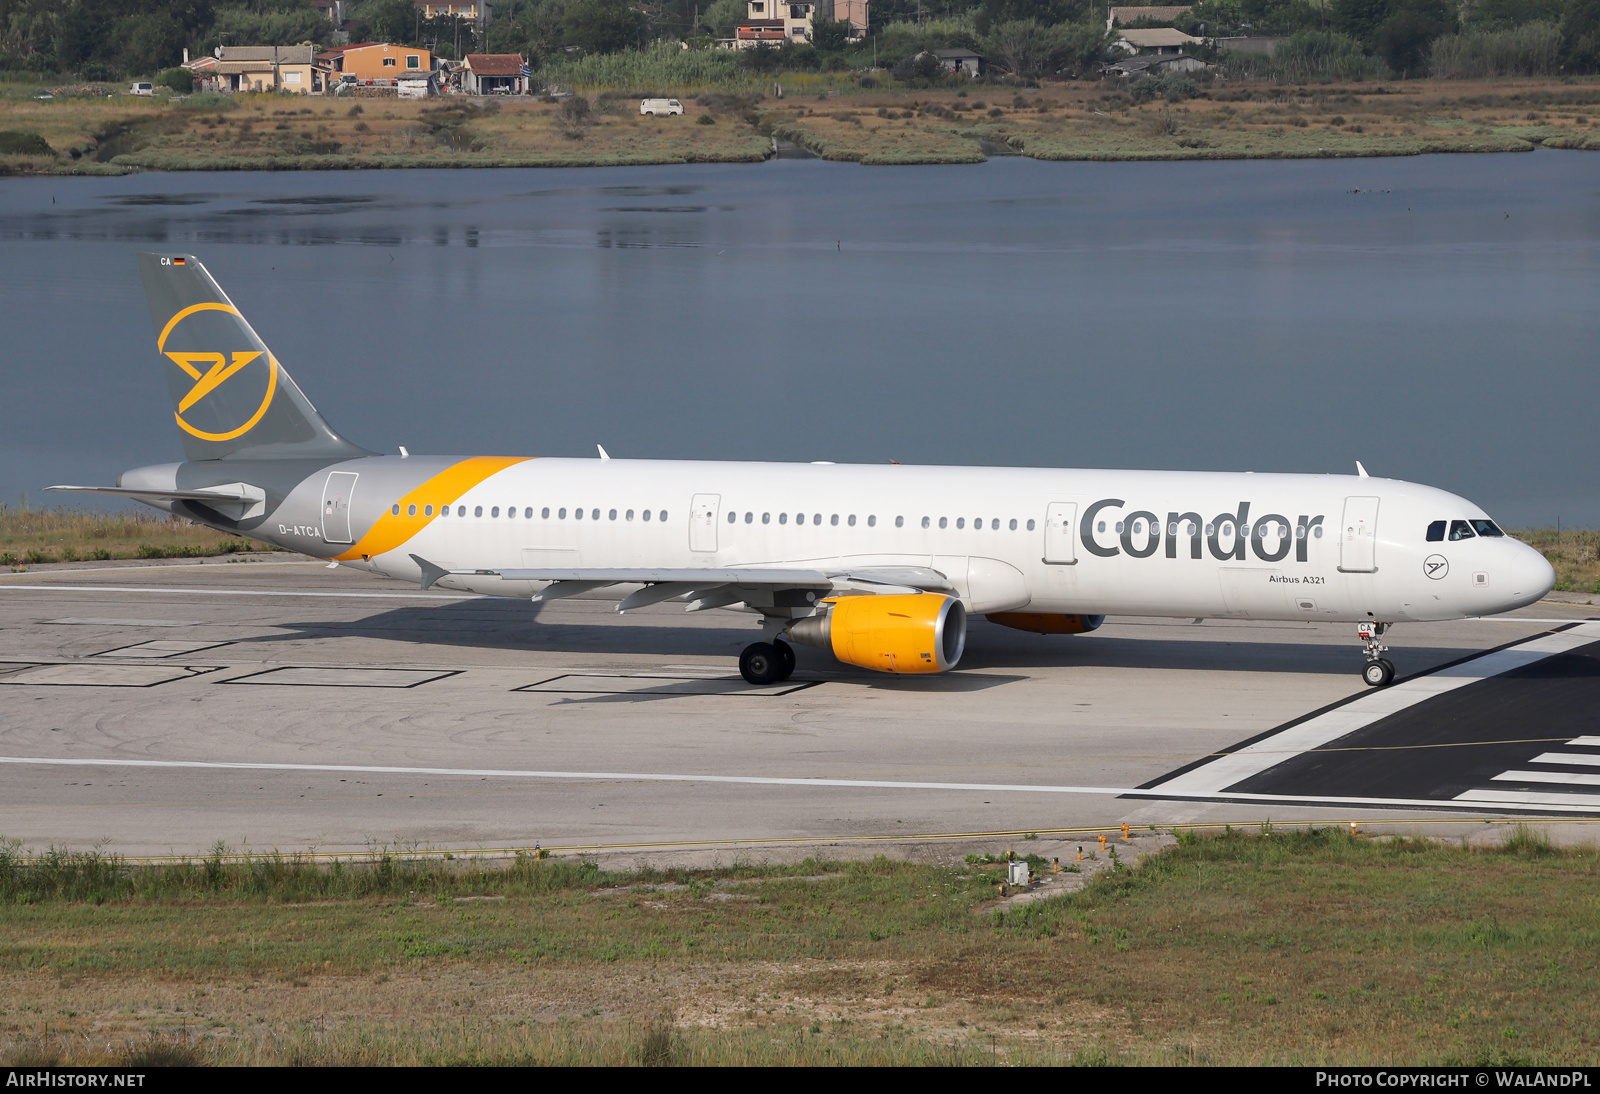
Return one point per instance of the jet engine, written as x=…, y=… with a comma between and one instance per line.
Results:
x=1047, y=622
x=912, y=632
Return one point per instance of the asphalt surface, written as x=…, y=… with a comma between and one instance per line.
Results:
x=270, y=704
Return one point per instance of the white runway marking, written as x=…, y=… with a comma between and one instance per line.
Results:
x=1568, y=778
x=419, y=595
x=1585, y=742
x=1585, y=758
x=1563, y=802
x=1213, y=778
x=1567, y=803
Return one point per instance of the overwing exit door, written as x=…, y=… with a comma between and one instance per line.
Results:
x=1358, y=536
x=703, y=522
x=1060, y=533
x=336, y=506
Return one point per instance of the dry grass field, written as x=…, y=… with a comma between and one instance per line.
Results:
x=33, y=536
x=1293, y=948
x=1061, y=121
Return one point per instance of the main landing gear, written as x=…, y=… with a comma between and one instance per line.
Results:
x=767, y=662
x=1379, y=670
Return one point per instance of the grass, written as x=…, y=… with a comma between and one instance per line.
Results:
x=826, y=113
x=1574, y=554
x=34, y=536
x=1279, y=947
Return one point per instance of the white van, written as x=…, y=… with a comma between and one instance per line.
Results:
x=142, y=88
x=661, y=106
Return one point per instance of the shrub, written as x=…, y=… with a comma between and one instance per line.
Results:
x=17, y=142
x=180, y=80
x=1174, y=89
x=705, y=119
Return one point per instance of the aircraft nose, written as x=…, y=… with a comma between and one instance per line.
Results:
x=1532, y=576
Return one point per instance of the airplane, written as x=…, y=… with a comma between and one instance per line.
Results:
x=881, y=565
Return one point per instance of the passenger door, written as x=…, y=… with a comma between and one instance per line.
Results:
x=1060, y=533
x=1358, y=534
x=336, y=496
x=703, y=522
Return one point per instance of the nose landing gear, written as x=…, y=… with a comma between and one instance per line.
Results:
x=1379, y=670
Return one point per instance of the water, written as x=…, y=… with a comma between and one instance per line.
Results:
x=1439, y=325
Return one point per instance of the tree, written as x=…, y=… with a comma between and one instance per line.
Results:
x=1024, y=47
x=603, y=26
x=1580, y=36
x=829, y=35
x=993, y=13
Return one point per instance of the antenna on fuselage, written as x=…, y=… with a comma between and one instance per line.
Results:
x=604, y=455
x=1362, y=471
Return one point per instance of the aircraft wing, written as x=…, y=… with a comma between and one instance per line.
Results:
x=706, y=587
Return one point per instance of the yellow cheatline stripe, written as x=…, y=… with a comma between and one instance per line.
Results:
x=391, y=530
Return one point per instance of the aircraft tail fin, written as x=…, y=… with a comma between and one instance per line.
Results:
x=230, y=396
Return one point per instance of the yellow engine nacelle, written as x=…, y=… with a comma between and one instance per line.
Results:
x=912, y=632
x=1047, y=622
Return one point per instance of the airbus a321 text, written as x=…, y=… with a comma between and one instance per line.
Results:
x=881, y=565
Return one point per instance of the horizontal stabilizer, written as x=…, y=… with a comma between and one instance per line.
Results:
x=237, y=500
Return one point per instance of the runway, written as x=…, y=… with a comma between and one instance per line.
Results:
x=158, y=709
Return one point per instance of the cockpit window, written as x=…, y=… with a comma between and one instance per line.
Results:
x=1436, y=531
x=1460, y=530
x=1486, y=528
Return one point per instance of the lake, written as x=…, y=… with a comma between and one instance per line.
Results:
x=1436, y=317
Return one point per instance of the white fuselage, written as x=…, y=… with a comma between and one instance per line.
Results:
x=1167, y=543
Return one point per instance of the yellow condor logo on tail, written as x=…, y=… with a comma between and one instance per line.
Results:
x=210, y=370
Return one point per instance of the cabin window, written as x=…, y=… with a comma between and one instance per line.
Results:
x=577, y=514
x=852, y=520
x=477, y=510
x=1459, y=529
x=444, y=511
x=994, y=525
x=834, y=520
x=1119, y=527
x=1013, y=524
x=1436, y=531
x=1102, y=527
x=732, y=517
x=495, y=511
x=461, y=510
x=925, y=522
x=961, y=522
x=1211, y=529
x=396, y=510
x=612, y=515
x=1486, y=528
x=944, y=522
x=511, y=512
x=1299, y=532
x=561, y=514
x=783, y=518
x=628, y=515
x=749, y=517
x=816, y=518
x=899, y=522
x=663, y=515
x=647, y=514
x=799, y=518
x=1317, y=531
x=1190, y=529
x=594, y=514
x=545, y=513
x=872, y=521
x=766, y=518
x=427, y=510
x=1030, y=525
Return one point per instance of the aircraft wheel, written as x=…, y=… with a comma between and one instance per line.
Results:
x=785, y=659
x=760, y=663
x=1378, y=673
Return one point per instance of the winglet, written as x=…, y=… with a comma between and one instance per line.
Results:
x=430, y=572
x=1361, y=471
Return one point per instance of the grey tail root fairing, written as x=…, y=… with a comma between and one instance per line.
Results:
x=231, y=398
